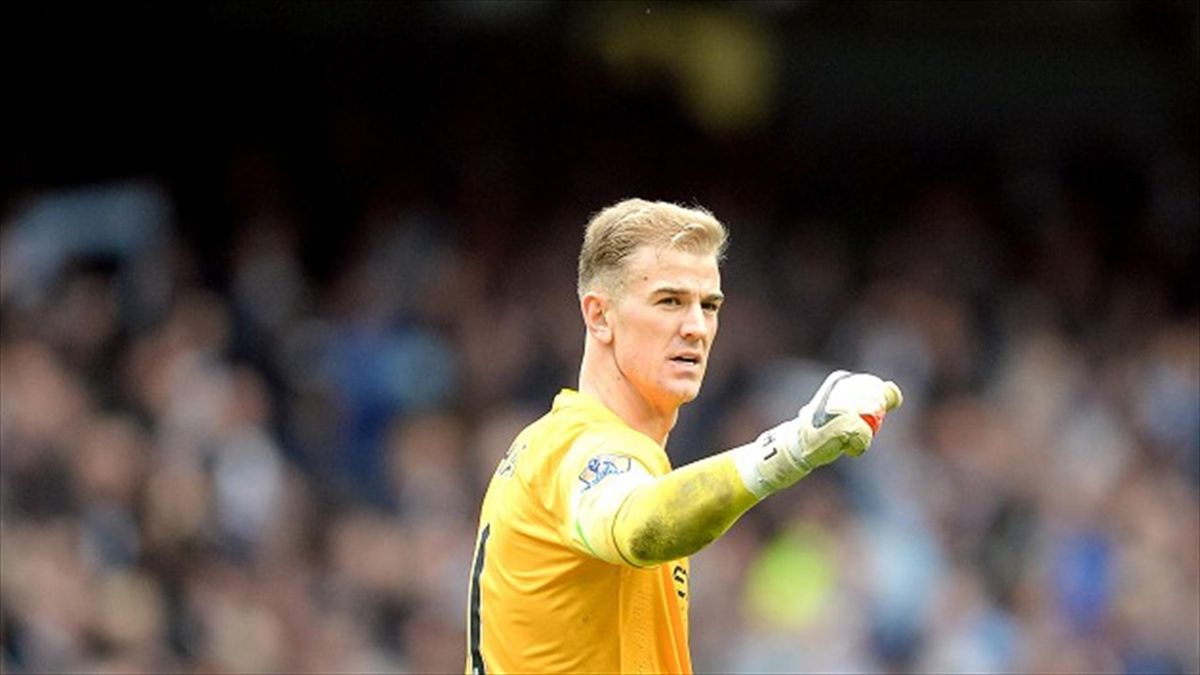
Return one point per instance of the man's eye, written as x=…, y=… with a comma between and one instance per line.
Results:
x=671, y=301
x=710, y=307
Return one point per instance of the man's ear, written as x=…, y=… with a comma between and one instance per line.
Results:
x=595, y=306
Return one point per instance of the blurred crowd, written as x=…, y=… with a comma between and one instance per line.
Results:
x=276, y=475
x=254, y=437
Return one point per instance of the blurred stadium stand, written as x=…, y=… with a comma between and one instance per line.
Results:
x=279, y=282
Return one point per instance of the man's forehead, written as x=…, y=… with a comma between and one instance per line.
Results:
x=672, y=267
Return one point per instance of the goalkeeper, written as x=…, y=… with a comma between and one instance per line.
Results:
x=580, y=562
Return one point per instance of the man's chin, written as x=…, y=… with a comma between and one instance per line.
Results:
x=677, y=393
x=686, y=394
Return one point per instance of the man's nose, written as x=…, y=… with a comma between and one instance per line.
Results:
x=694, y=327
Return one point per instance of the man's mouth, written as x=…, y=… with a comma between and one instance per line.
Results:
x=687, y=359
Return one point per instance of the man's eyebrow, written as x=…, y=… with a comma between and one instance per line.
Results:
x=672, y=290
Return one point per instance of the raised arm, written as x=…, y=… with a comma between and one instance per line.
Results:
x=643, y=520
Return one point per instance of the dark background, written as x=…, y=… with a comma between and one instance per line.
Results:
x=866, y=102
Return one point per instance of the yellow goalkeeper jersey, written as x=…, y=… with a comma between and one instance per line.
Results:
x=538, y=600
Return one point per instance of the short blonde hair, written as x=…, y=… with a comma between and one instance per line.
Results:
x=617, y=231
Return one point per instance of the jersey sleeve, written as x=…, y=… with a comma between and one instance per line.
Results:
x=598, y=473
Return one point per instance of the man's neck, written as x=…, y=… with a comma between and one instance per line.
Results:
x=619, y=396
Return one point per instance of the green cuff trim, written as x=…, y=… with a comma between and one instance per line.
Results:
x=583, y=538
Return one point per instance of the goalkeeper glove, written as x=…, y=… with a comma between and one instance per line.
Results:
x=842, y=417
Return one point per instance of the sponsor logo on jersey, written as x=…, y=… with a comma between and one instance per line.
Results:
x=679, y=574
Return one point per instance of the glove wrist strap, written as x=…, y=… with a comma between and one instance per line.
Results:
x=772, y=462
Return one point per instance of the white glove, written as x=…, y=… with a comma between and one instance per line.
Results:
x=842, y=417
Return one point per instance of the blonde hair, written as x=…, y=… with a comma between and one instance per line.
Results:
x=617, y=231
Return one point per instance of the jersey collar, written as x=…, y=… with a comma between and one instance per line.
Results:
x=570, y=398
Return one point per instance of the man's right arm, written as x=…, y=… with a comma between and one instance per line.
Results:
x=642, y=520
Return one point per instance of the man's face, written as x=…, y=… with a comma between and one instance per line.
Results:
x=664, y=321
